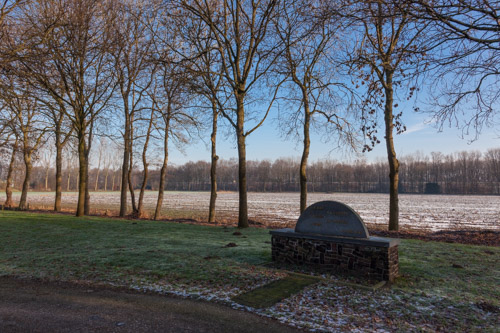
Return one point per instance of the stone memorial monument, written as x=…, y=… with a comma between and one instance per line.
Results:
x=331, y=236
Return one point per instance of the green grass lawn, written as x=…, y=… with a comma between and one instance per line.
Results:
x=104, y=249
x=124, y=252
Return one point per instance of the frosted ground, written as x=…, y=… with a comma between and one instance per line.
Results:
x=431, y=212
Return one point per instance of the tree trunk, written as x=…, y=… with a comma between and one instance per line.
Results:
x=87, y=147
x=140, y=204
x=69, y=180
x=131, y=189
x=8, y=187
x=125, y=165
x=26, y=184
x=163, y=173
x=58, y=198
x=242, y=164
x=145, y=167
x=96, y=185
x=82, y=179
x=87, y=193
x=47, y=179
x=305, y=155
x=391, y=155
x=213, y=166
x=106, y=179
x=129, y=178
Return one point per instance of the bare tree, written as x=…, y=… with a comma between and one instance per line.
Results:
x=468, y=72
x=55, y=111
x=175, y=121
x=62, y=134
x=73, y=40
x=9, y=140
x=310, y=38
x=115, y=165
x=145, y=163
x=493, y=165
x=9, y=183
x=71, y=160
x=6, y=8
x=46, y=157
x=29, y=126
x=8, y=135
x=100, y=151
x=240, y=29
x=203, y=63
x=108, y=164
x=390, y=54
x=31, y=23
x=133, y=30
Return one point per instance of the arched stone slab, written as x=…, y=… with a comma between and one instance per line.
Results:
x=331, y=218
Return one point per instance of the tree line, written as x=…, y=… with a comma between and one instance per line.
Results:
x=150, y=75
x=465, y=172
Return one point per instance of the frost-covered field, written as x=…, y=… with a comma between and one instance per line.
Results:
x=432, y=212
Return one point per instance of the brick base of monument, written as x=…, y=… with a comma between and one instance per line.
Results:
x=338, y=255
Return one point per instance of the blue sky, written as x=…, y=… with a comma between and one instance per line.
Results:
x=266, y=143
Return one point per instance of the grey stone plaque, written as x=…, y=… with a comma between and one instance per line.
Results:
x=331, y=218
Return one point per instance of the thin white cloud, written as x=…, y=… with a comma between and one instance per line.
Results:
x=415, y=128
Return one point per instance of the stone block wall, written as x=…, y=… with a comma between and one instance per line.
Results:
x=373, y=262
